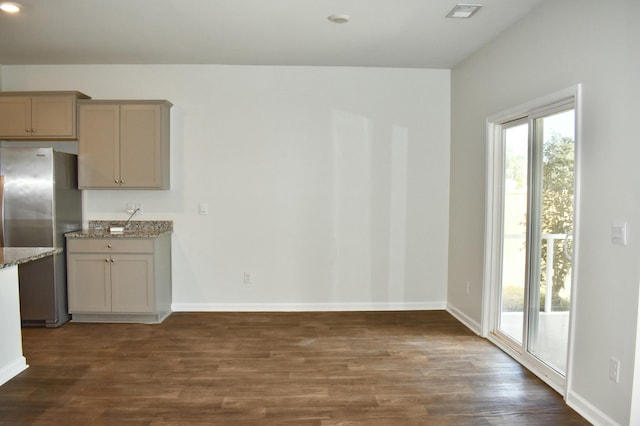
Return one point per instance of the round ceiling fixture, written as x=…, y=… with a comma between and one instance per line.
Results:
x=10, y=7
x=340, y=18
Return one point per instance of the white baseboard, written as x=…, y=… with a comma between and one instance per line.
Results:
x=464, y=319
x=12, y=369
x=306, y=307
x=588, y=411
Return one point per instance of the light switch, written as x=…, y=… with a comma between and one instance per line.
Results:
x=203, y=208
x=619, y=233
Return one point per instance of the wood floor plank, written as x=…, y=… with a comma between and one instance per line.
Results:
x=309, y=368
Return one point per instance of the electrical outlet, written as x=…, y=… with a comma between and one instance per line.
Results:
x=140, y=208
x=247, y=278
x=614, y=369
x=129, y=207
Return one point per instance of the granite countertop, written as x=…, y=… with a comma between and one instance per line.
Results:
x=134, y=229
x=11, y=256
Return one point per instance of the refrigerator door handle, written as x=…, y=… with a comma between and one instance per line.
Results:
x=1, y=211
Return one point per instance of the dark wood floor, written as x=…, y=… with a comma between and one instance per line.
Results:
x=348, y=368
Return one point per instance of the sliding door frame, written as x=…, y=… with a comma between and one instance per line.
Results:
x=493, y=230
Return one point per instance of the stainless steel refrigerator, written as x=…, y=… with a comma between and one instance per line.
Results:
x=40, y=203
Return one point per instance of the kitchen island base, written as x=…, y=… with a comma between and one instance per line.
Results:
x=12, y=362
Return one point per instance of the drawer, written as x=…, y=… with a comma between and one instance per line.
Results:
x=109, y=245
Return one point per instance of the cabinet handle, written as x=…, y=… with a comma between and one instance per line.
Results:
x=106, y=260
x=112, y=260
x=121, y=180
x=33, y=130
x=27, y=130
x=109, y=245
x=116, y=181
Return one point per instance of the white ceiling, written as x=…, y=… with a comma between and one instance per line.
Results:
x=381, y=33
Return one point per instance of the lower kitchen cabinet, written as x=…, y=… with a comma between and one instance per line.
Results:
x=119, y=279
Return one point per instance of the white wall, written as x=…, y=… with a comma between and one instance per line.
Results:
x=328, y=185
x=560, y=44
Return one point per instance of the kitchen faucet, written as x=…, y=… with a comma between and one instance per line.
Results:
x=120, y=229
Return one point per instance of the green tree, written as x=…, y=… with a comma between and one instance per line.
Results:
x=557, y=207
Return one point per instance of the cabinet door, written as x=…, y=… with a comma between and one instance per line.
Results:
x=53, y=116
x=99, y=146
x=132, y=287
x=141, y=145
x=89, y=283
x=15, y=116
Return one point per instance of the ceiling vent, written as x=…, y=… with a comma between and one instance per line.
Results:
x=464, y=11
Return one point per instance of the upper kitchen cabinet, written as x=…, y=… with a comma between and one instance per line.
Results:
x=38, y=115
x=123, y=144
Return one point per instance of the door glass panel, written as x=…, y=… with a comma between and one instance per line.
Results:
x=514, y=231
x=550, y=285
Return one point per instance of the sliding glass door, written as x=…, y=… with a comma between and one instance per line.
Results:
x=536, y=213
x=514, y=231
